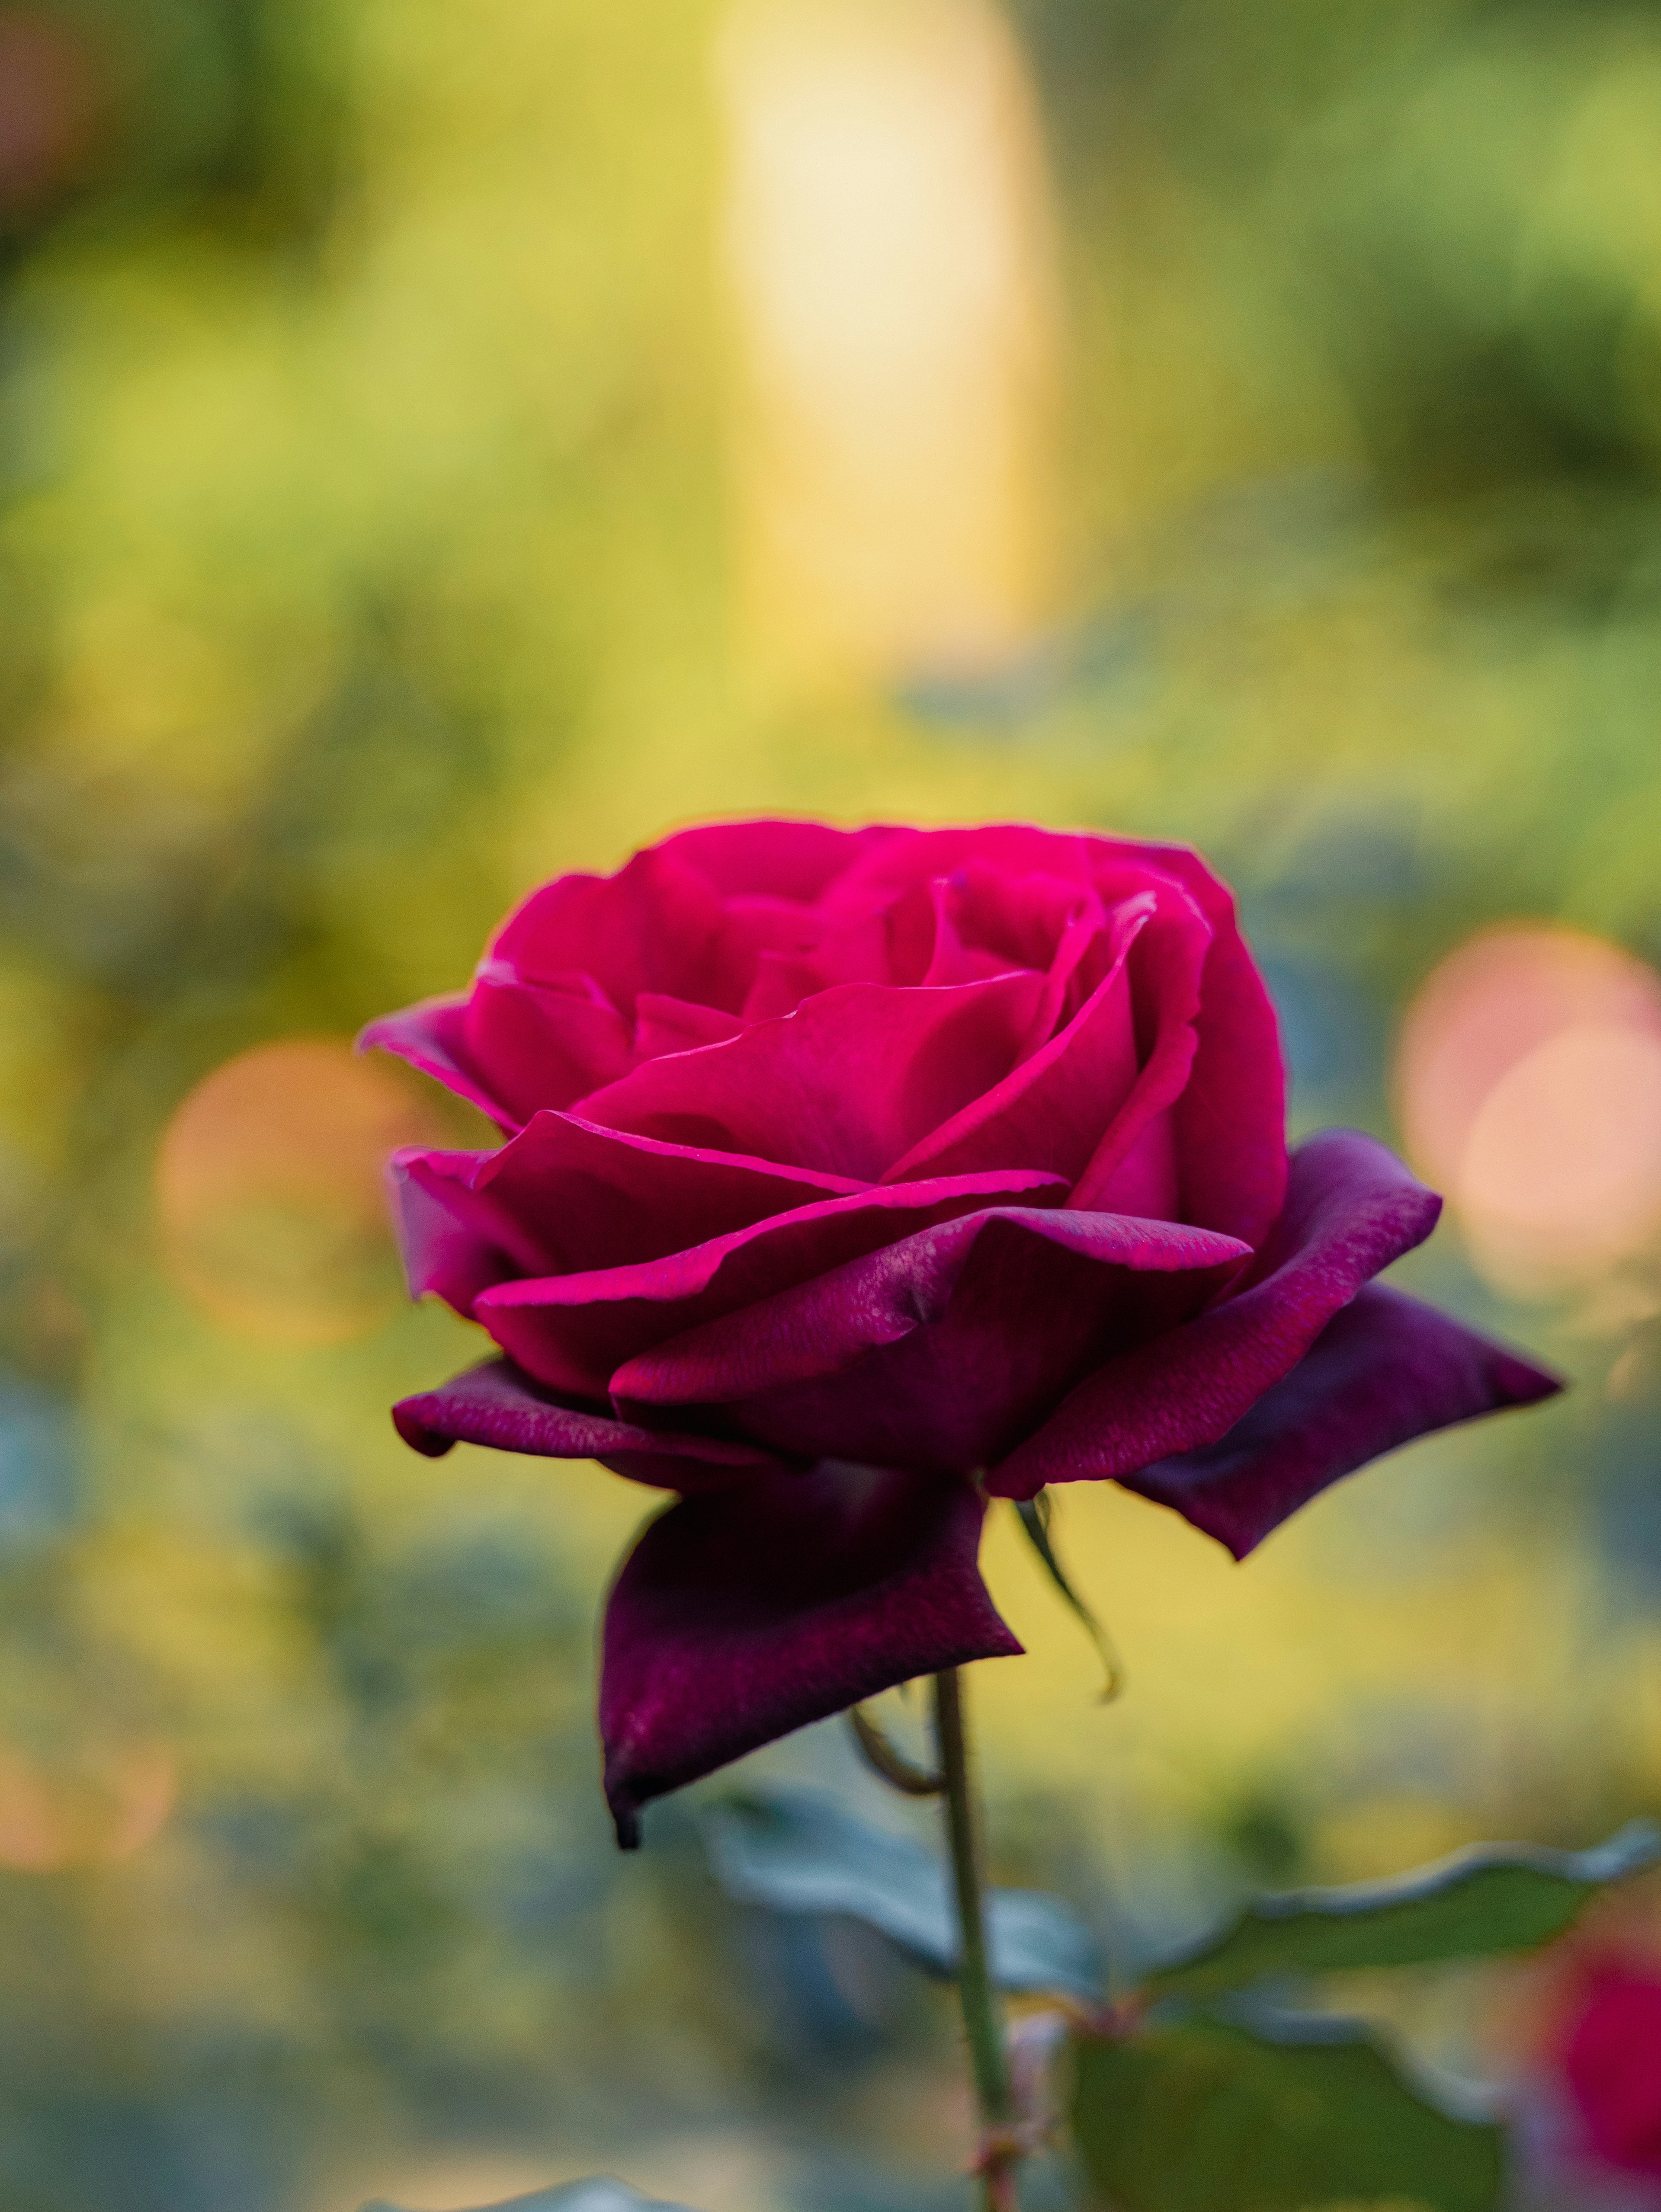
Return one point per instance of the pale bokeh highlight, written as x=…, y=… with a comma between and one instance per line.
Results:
x=270, y=1191
x=1530, y=1089
x=888, y=238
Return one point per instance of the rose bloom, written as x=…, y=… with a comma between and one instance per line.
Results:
x=1611, y=2068
x=852, y=1178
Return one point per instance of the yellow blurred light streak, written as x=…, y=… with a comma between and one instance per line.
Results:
x=270, y=1193
x=889, y=241
x=1530, y=1086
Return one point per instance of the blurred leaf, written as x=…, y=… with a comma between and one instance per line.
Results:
x=797, y=1852
x=1206, y=2118
x=597, y=2194
x=1475, y=1903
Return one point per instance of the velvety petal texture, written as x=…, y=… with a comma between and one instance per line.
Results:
x=740, y=1617
x=849, y=1176
x=1384, y=1369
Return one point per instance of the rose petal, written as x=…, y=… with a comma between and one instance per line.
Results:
x=563, y=1196
x=846, y=1083
x=1230, y=1117
x=740, y=1618
x=498, y=1406
x=774, y=858
x=1351, y=1209
x=538, y=1045
x=663, y=1024
x=1384, y=1369
x=431, y=1036
x=1129, y=1167
x=573, y=1331
x=454, y=1242
x=943, y=1348
x=1049, y=1111
x=650, y=928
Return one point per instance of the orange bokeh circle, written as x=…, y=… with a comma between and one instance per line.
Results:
x=269, y=1190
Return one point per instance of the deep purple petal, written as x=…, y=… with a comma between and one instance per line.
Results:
x=573, y=1331
x=498, y=1406
x=1384, y=1369
x=742, y=1616
x=940, y=1350
x=1351, y=1208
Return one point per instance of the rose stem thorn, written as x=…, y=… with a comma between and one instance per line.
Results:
x=982, y=2010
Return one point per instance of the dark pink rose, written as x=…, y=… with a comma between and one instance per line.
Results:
x=1611, y=2065
x=851, y=1178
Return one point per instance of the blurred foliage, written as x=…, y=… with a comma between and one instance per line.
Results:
x=368, y=421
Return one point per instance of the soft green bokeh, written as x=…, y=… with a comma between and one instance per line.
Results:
x=373, y=432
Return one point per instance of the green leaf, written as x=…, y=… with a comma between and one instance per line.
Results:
x=1477, y=1904
x=595, y=2195
x=796, y=1851
x=1208, y=2117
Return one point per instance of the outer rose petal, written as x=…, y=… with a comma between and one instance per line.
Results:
x=573, y=1331
x=563, y=1195
x=776, y=858
x=650, y=928
x=431, y=1035
x=538, y=1044
x=1352, y=1208
x=739, y=1617
x=940, y=1351
x=1384, y=1369
x=499, y=1405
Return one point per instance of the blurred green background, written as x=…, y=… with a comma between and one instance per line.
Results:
x=443, y=445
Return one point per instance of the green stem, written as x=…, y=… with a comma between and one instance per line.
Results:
x=982, y=2011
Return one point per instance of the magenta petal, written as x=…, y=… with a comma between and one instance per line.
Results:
x=542, y=1044
x=573, y=1331
x=1384, y=1370
x=431, y=1036
x=455, y=1241
x=845, y=1084
x=1049, y=1111
x=776, y=858
x=498, y=1406
x=939, y=1350
x=1167, y=961
x=650, y=928
x=739, y=1617
x=1231, y=1118
x=1351, y=1208
x=591, y=1197
x=562, y=1196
